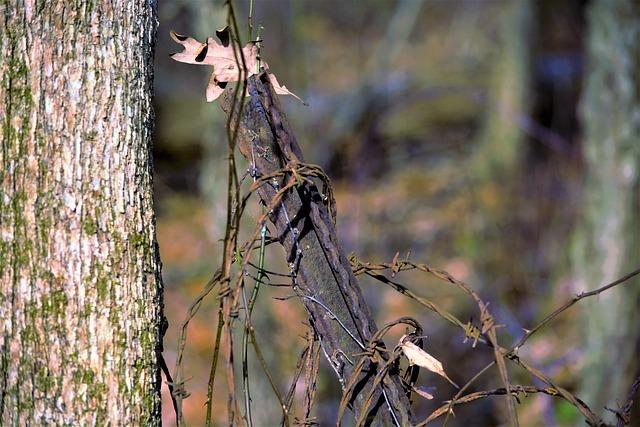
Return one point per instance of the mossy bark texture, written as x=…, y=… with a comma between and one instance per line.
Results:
x=80, y=289
x=607, y=245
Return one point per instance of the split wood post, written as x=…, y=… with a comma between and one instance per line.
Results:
x=328, y=289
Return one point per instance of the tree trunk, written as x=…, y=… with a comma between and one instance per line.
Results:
x=80, y=287
x=324, y=280
x=607, y=242
x=497, y=161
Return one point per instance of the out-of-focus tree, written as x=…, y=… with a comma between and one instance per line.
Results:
x=80, y=288
x=606, y=244
x=499, y=154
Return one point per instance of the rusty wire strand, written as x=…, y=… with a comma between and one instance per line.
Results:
x=487, y=325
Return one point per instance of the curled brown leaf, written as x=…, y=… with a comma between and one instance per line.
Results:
x=221, y=57
x=417, y=356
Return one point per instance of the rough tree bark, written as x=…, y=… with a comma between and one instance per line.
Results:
x=607, y=244
x=329, y=290
x=80, y=288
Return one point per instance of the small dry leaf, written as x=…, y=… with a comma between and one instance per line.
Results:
x=426, y=392
x=222, y=58
x=394, y=265
x=418, y=356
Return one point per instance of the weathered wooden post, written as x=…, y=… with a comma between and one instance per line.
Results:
x=305, y=228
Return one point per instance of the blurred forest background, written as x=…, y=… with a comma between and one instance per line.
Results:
x=497, y=140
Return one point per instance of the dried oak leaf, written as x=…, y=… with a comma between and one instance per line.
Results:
x=417, y=356
x=221, y=57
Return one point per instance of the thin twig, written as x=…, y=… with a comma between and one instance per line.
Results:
x=179, y=392
x=569, y=303
x=245, y=338
x=232, y=225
